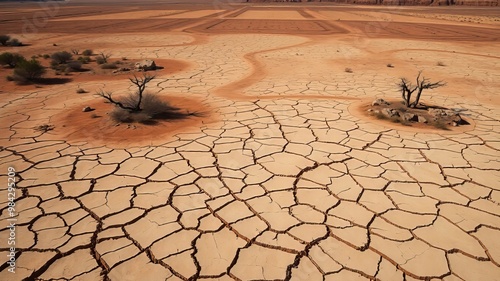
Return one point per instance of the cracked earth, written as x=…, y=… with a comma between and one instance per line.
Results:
x=286, y=180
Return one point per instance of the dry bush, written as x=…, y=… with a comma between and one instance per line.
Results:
x=4, y=39
x=152, y=106
x=87, y=52
x=61, y=57
x=120, y=115
x=14, y=42
x=84, y=59
x=11, y=59
x=348, y=70
x=440, y=63
x=152, y=109
x=140, y=106
x=74, y=66
x=103, y=58
x=26, y=71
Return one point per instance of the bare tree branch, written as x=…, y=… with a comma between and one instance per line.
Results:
x=105, y=57
x=141, y=83
x=407, y=88
x=141, y=86
x=109, y=98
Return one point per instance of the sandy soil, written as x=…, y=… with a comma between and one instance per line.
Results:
x=284, y=176
x=277, y=15
x=193, y=14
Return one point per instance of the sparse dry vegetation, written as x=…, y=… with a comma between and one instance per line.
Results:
x=28, y=71
x=407, y=88
x=103, y=58
x=109, y=66
x=6, y=40
x=61, y=58
x=141, y=107
x=87, y=52
x=11, y=59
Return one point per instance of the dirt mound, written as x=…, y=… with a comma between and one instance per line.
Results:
x=97, y=127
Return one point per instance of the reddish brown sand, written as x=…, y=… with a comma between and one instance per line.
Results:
x=76, y=125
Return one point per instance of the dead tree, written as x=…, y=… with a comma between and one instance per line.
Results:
x=141, y=86
x=407, y=89
x=133, y=103
x=105, y=57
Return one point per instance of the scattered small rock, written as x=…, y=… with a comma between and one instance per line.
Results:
x=121, y=69
x=146, y=65
x=380, y=102
x=390, y=112
x=435, y=111
x=422, y=119
x=87, y=109
x=457, y=120
x=410, y=117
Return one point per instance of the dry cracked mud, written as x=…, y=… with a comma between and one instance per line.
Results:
x=287, y=181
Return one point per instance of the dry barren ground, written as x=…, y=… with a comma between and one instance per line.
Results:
x=283, y=177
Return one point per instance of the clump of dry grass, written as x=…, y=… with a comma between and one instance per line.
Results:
x=152, y=109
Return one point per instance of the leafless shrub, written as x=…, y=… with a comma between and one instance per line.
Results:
x=103, y=58
x=407, y=89
x=141, y=107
